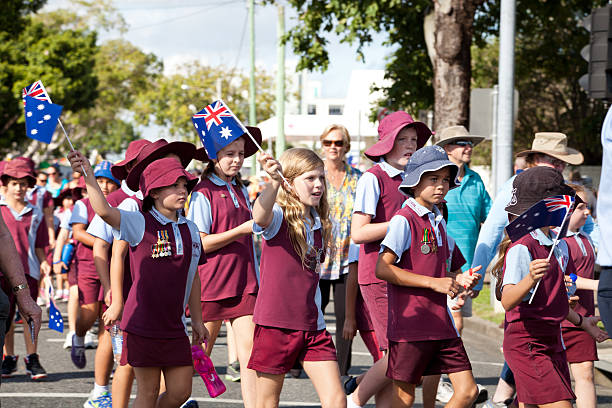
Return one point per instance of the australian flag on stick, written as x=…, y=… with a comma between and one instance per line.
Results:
x=217, y=127
x=56, y=322
x=552, y=211
x=41, y=115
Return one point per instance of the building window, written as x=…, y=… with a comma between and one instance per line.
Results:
x=312, y=109
x=335, y=109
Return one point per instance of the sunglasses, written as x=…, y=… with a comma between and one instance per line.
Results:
x=464, y=143
x=337, y=143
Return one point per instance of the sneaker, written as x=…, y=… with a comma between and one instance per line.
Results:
x=65, y=295
x=104, y=400
x=350, y=385
x=68, y=341
x=90, y=342
x=490, y=404
x=445, y=392
x=483, y=394
x=58, y=294
x=77, y=354
x=233, y=372
x=40, y=301
x=190, y=403
x=33, y=367
x=9, y=366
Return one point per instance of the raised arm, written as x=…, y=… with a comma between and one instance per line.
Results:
x=262, y=209
x=109, y=214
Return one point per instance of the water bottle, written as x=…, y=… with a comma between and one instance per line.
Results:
x=204, y=366
x=67, y=253
x=116, y=341
x=571, y=289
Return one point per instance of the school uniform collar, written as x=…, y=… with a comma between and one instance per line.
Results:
x=130, y=192
x=542, y=238
x=317, y=220
x=218, y=180
x=421, y=210
x=162, y=219
x=389, y=169
x=28, y=207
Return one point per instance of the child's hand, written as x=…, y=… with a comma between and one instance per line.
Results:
x=113, y=313
x=537, y=269
x=460, y=301
x=45, y=268
x=78, y=162
x=469, y=278
x=573, y=301
x=57, y=267
x=589, y=325
x=448, y=286
x=199, y=333
x=350, y=329
x=247, y=227
x=271, y=166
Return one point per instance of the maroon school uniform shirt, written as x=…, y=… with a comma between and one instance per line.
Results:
x=550, y=304
x=389, y=202
x=29, y=232
x=39, y=197
x=155, y=306
x=418, y=314
x=83, y=213
x=582, y=253
x=216, y=207
x=289, y=295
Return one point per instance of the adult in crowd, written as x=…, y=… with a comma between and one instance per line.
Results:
x=604, y=206
x=12, y=269
x=548, y=149
x=468, y=205
x=55, y=183
x=341, y=183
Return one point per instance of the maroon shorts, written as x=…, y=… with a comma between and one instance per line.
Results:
x=90, y=288
x=579, y=346
x=8, y=289
x=362, y=316
x=376, y=301
x=539, y=365
x=72, y=275
x=228, y=308
x=275, y=350
x=139, y=351
x=411, y=360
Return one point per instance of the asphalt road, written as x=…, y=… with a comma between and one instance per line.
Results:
x=68, y=387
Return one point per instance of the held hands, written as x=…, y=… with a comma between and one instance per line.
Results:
x=271, y=166
x=589, y=325
x=537, y=269
x=78, y=162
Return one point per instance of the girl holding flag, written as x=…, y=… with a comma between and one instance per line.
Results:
x=221, y=209
x=533, y=347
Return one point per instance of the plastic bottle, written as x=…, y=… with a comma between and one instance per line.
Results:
x=571, y=288
x=116, y=341
x=67, y=253
x=205, y=367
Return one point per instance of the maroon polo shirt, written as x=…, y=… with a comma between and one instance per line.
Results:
x=83, y=257
x=583, y=257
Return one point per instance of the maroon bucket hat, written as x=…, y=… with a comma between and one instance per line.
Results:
x=19, y=169
x=155, y=151
x=164, y=172
x=119, y=170
x=389, y=127
x=28, y=161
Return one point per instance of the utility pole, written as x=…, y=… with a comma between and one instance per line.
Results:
x=252, y=115
x=280, y=84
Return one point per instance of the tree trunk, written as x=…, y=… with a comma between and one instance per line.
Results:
x=452, y=61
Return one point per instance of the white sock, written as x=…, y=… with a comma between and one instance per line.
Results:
x=79, y=340
x=99, y=390
x=350, y=403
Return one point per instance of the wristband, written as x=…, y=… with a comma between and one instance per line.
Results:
x=20, y=287
x=579, y=321
x=55, y=263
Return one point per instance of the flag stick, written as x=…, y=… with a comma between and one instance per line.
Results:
x=62, y=126
x=253, y=139
x=555, y=242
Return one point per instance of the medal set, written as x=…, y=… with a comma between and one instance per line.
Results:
x=429, y=241
x=162, y=248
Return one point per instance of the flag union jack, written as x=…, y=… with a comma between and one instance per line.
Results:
x=214, y=113
x=37, y=91
x=561, y=202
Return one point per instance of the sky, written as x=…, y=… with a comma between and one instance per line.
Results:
x=216, y=32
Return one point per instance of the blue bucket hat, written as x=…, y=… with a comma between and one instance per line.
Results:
x=103, y=169
x=428, y=158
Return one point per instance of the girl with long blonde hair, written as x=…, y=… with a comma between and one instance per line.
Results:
x=293, y=219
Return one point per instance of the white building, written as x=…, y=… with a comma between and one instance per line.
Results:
x=308, y=117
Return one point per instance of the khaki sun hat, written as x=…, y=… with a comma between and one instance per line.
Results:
x=554, y=144
x=452, y=133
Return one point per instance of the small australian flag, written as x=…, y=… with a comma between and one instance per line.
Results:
x=552, y=211
x=56, y=322
x=41, y=118
x=217, y=127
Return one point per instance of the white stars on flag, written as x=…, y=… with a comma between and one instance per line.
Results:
x=226, y=132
